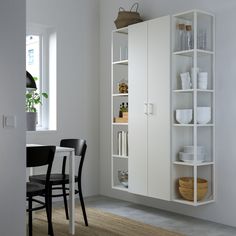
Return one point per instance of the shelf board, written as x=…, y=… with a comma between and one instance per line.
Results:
x=192, y=164
x=192, y=125
x=199, y=203
x=182, y=91
x=192, y=90
x=123, y=62
x=123, y=30
x=119, y=123
x=119, y=94
x=121, y=157
x=205, y=125
x=205, y=90
x=183, y=125
x=189, y=53
x=120, y=187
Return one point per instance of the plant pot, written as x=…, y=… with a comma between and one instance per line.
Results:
x=31, y=121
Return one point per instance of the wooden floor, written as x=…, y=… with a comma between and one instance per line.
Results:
x=100, y=224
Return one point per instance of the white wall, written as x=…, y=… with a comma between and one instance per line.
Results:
x=12, y=141
x=76, y=24
x=224, y=210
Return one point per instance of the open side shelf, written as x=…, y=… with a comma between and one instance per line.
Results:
x=188, y=69
x=119, y=100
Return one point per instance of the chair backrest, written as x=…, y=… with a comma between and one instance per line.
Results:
x=80, y=147
x=77, y=144
x=40, y=156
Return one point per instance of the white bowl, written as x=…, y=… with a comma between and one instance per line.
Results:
x=184, y=116
x=190, y=149
x=203, y=115
x=189, y=157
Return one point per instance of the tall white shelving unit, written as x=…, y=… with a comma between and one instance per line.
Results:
x=119, y=69
x=194, y=134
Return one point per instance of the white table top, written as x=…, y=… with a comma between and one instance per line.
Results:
x=58, y=148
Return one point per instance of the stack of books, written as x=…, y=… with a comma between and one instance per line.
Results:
x=122, y=139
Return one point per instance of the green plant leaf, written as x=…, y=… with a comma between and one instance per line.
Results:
x=45, y=95
x=28, y=95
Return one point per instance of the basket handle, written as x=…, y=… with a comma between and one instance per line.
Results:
x=135, y=4
x=121, y=9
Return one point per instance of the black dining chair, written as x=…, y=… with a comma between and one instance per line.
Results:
x=59, y=180
x=36, y=157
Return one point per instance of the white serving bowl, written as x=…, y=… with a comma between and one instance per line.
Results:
x=189, y=157
x=203, y=115
x=190, y=149
x=184, y=116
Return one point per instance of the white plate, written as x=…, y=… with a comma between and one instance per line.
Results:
x=189, y=161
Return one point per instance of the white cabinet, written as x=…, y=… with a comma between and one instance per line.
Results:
x=149, y=108
x=155, y=139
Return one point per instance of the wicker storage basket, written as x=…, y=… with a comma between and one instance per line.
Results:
x=187, y=182
x=126, y=18
x=186, y=188
x=188, y=193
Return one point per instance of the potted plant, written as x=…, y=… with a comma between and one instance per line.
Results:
x=33, y=98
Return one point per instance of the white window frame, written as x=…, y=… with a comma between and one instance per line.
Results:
x=48, y=120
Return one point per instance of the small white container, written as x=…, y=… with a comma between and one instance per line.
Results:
x=202, y=75
x=203, y=115
x=202, y=80
x=184, y=116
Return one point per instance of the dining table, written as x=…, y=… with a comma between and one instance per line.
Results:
x=70, y=153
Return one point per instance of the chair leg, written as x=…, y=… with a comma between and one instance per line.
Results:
x=48, y=200
x=30, y=219
x=82, y=204
x=65, y=201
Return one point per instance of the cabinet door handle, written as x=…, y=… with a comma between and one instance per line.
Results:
x=145, y=108
x=150, y=108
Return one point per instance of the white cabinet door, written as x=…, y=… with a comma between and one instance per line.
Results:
x=137, y=105
x=159, y=105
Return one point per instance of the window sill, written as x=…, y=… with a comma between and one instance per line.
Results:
x=41, y=131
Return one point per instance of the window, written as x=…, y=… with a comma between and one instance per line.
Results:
x=41, y=63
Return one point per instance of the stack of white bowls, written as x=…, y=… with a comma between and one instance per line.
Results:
x=188, y=154
x=184, y=116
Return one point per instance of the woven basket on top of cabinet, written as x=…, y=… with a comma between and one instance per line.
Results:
x=126, y=18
